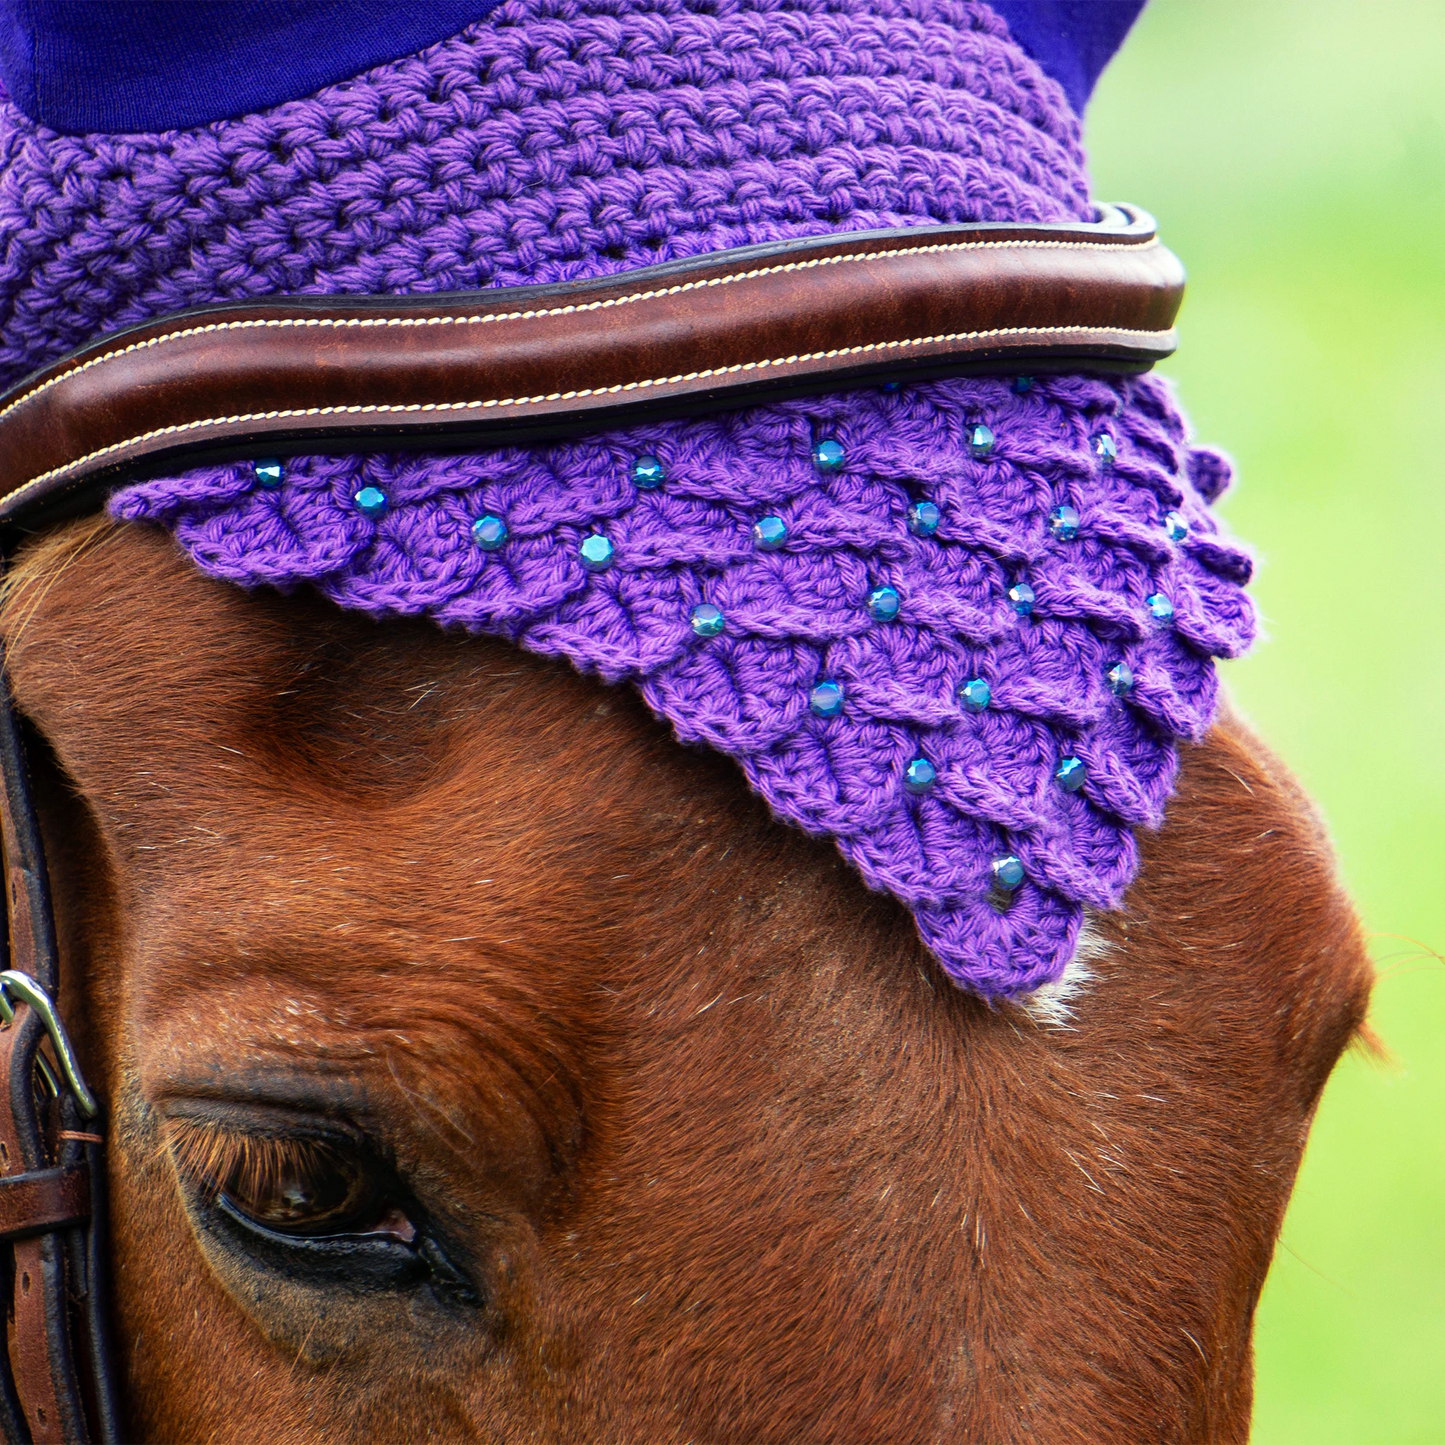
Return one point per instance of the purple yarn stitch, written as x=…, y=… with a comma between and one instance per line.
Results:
x=559, y=138
x=565, y=139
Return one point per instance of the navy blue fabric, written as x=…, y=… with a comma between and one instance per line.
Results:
x=131, y=65
x=1072, y=40
x=149, y=65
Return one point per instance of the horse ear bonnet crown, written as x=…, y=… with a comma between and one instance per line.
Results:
x=957, y=625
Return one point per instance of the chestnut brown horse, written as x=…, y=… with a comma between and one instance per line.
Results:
x=482, y=1064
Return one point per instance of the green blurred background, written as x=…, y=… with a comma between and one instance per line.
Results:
x=1294, y=154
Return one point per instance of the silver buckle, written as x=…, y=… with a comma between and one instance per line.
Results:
x=12, y=981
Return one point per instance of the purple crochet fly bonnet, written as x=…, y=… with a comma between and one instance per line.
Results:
x=958, y=626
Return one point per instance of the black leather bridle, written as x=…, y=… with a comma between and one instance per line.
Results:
x=453, y=372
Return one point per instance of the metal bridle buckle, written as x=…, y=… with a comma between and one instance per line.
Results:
x=12, y=981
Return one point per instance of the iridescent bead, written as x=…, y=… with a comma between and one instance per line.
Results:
x=826, y=699
x=1023, y=385
x=770, y=533
x=707, y=620
x=1120, y=679
x=920, y=776
x=975, y=694
x=1021, y=597
x=923, y=518
x=1007, y=872
x=828, y=455
x=980, y=440
x=883, y=604
x=647, y=473
x=268, y=472
x=1064, y=523
x=595, y=552
x=370, y=501
x=1071, y=774
x=1104, y=448
x=892, y=386
x=1161, y=609
x=489, y=532
x=1176, y=527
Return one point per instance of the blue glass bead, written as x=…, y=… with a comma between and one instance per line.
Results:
x=1007, y=872
x=707, y=620
x=1064, y=523
x=770, y=533
x=892, y=386
x=883, y=604
x=920, y=776
x=975, y=694
x=828, y=455
x=826, y=699
x=370, y=501
x=1021, y=595
x=1176, y=527
x=268, y=472
x=1104, y=448
x=1120, y=679
x=595, y=552
x=1023, y=385
x=489, y=532
x=1161, y=609
x=648, y=474
x=1071, y=774
x=923, y=519
x=980, y=440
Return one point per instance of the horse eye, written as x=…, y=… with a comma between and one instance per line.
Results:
x=307, y=1187
x=310, y=1190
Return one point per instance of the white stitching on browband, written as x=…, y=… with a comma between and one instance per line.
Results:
x=341, y=322
x=521, y=401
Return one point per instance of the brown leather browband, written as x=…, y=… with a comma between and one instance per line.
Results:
x=525, y=362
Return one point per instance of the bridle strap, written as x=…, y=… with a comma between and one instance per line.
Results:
x=44, y=1201
x=522, y=363
x=458, y=372
x=56, y=1383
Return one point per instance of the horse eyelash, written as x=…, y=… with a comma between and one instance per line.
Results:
x=215, y=1159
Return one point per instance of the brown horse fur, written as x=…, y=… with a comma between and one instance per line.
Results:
x=717, y=1151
